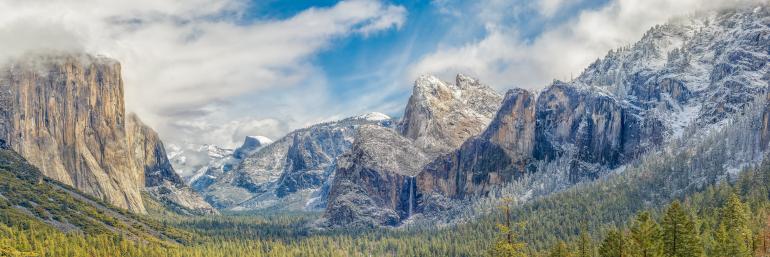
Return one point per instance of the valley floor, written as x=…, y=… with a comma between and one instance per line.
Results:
x=574, y=232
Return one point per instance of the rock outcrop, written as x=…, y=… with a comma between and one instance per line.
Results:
x=501, y=153
x=308, y=158
x=375, y=183
x=689, y=76
x=440, y=116
x=160, y=180
x=180, y=198
x=149, y=152
x=592, y=128
x=250, y=145
x=65, y=114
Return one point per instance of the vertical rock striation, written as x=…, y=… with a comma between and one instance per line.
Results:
x=149, y=153
x=65, y=114
x=498, y=155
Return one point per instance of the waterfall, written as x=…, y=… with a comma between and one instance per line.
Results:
x=411, y=197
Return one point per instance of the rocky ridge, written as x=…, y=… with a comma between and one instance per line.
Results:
x=693, y=74
x=291, y=172
x=374, y=183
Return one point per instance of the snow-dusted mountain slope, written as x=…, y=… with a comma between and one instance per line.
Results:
x=201, y=165
x=375, y=182
x=290, y=172
x=688, y=77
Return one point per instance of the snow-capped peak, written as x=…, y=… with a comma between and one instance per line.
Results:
x=263, y=141
x=374, y=116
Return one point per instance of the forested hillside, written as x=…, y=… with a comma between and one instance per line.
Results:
x=560, y=225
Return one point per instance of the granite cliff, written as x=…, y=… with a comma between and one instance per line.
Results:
x=65, y=113
x=375, y=182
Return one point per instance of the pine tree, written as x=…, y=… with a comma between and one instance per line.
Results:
x=646, y=237
x=680, y=238
x=560, y=250
x=508, y=244
x=585, y=247
x=720, y=239
x=614, y=245
x=736, y=237
x=505, y=248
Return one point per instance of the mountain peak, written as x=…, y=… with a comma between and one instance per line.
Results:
x=262, y=140
x=441, y=115
x=464, y=81
x=373, y=116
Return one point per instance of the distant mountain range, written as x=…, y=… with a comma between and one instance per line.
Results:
x=459, y=141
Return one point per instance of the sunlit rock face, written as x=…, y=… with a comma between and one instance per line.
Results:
x=440, y=116
x=375, y=184
x=499, y=154
x=65, y=113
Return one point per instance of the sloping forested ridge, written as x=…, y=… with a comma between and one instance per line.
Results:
x=282, y=236
x=727, y=219
x=37, y=213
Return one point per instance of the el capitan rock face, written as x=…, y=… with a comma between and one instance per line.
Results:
x=65, y=114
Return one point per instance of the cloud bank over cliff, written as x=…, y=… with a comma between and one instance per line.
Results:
x=188, y=60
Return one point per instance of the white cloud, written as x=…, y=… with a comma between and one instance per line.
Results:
x=505, y=60
x=183, y=60
x=550, y=7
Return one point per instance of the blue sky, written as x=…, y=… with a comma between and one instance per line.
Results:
x=215, y=71
x=380, y=63
x=358, y=64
